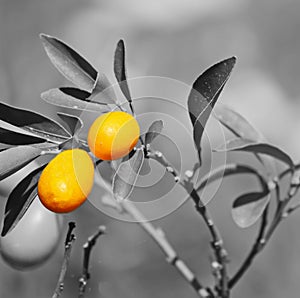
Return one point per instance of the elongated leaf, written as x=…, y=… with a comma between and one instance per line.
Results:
x=236, y=123
x=126, y=176
x=5, y=147
x=74, y=123
x=13, y=159
x=262, y=148
x=20, y=199
x=248, y=208
x=103, y=91
x=153, y=131
x=120, y=69
x=240, y=127
x=61, y=97
x=204, y=94
x=76, y=93
x=33, y=122
x=103, y=98
x=224, y=171
x=71, y=64
x=14, y=138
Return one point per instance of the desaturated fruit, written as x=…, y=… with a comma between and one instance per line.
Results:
x=35, y=238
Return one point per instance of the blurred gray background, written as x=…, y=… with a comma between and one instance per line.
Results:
x=178, y=40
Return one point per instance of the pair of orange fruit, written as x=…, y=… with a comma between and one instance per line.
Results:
x=67, y=180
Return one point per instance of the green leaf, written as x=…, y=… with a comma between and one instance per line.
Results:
x=20, y=199
x=126, y=176
x=33, y=122
x=14, y=138
x=224, y=171
x=13, y=159
x=261, y=148
x=120, y=70
x=63, y=97
x=204, y=94
x=248, y=208
x=71, y=64
x=236, y=123
x=74, y=123
x=154, y=131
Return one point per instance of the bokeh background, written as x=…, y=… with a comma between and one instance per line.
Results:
x=177, y=40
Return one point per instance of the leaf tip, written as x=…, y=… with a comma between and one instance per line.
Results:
x=232, y=59
x=5, y=229
x=45, y=37
x=121, y=43
x=42, y=35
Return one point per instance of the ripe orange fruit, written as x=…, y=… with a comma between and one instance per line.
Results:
x=66, y=181
x=34, y=240
x=113, y=135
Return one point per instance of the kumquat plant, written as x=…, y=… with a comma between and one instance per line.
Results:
x=103, y=129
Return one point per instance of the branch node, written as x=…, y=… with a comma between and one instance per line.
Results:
x=158, y=154
x=189, y=174
x=216, y=265
x=177, y=179
x=262, y=241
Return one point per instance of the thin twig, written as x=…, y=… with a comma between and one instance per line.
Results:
x=277, y=190
x=171, y=256
x=291, y=209
x=70, y=238
x=160, y=239
x=87, y=248
x=217, y=242
x=160, y=158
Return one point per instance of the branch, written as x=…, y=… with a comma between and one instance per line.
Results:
x=291, y=209
x=171, y=256
x=217, y=242
x=70, y=238
x=160, y=239
x=87, y=248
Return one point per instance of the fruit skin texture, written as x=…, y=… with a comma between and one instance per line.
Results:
x=34, y=240
x=66, y=181
x=113, y=135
